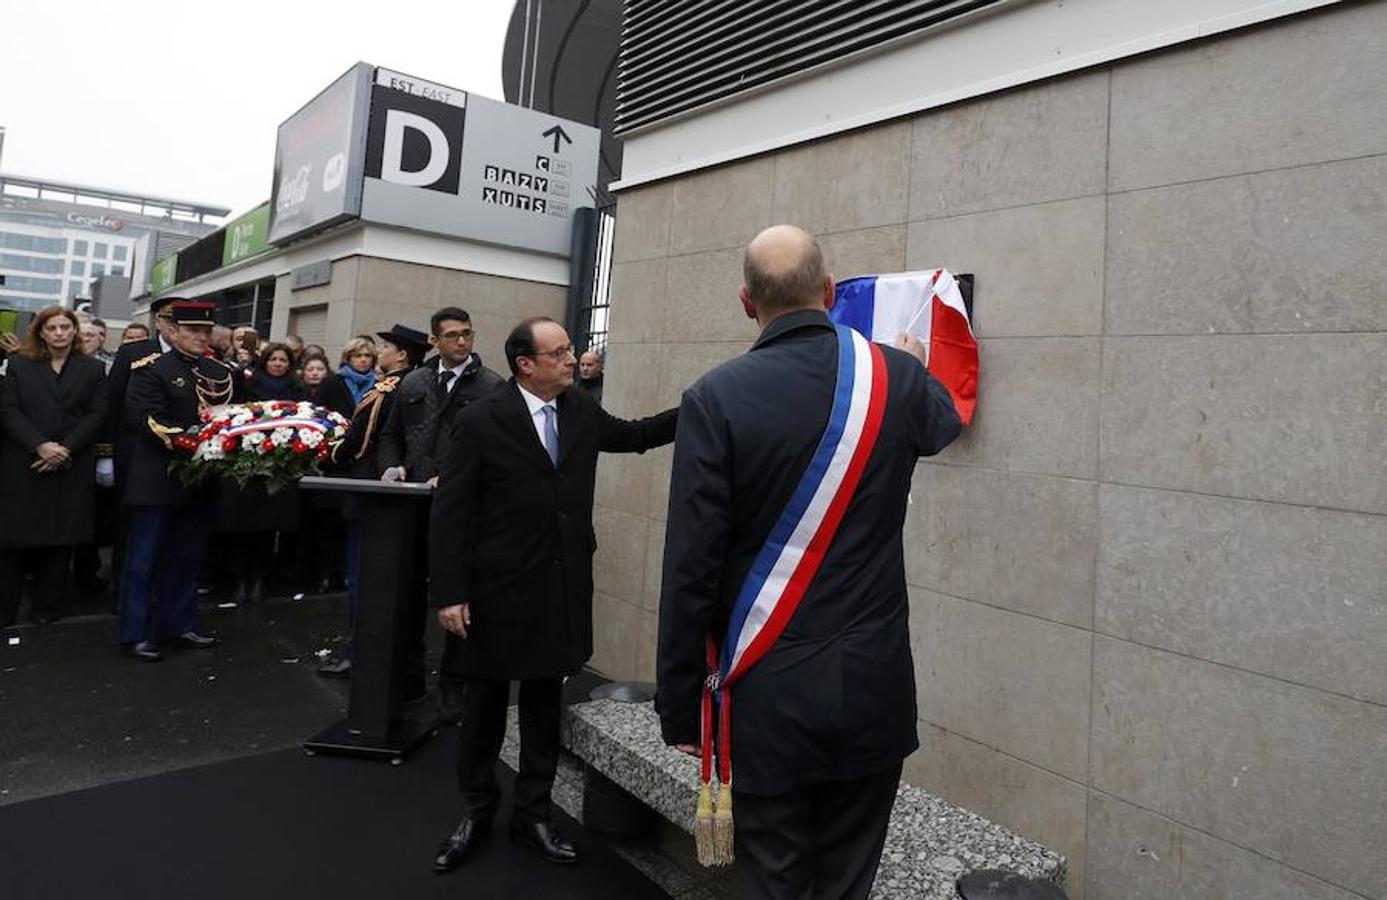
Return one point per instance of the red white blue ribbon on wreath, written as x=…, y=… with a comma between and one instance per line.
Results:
x=792, y=554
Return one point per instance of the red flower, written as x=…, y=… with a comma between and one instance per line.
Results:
x=299, y=446
x=267, y=445
x=229, y=444
x=322, y=451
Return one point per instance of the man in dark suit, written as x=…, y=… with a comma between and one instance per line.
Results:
x=413, y=445
x=168, y=521
x=511, y=549
x=821, y=724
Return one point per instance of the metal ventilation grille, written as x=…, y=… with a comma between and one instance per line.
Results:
x=677, y=55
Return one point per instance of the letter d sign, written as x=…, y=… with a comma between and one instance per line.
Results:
x=392, y=169
x=414, y=141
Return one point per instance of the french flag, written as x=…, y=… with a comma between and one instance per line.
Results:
x=928, y=305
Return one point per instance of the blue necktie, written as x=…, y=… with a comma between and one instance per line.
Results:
x=551, y=433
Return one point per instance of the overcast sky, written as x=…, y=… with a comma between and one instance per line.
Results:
x=182, y=100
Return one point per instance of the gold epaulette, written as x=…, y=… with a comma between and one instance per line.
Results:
x=387, y=384
x=162, y=432
x=104, y=450
x=144, y=361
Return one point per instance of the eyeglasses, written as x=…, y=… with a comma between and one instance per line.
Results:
x=461, y=335
x=558, y=354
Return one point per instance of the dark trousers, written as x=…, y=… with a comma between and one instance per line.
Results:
x=817, y=842
x=49, y=564
x=163, y=556
x=479, y=746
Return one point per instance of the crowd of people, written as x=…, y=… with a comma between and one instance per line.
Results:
x=63, y=422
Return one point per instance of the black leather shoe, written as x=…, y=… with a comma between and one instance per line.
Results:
x=545, y=838
x=147, y=651
x=467, y=835
x=336, y=667
x=196, y=641
x=450, y=705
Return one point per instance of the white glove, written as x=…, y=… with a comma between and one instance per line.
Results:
x=394, y=473
x=106, y=471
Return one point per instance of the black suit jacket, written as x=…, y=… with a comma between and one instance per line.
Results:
x=511, y=533
x=419, y=431
x=834, y=698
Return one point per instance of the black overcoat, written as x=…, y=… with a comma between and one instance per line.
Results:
x=512, y=535
x=56, y=508
x=834, y=698
x=117, y=384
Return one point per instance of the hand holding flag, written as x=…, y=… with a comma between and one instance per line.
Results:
x=927, y=305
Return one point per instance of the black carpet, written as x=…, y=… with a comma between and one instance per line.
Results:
x=286, y=825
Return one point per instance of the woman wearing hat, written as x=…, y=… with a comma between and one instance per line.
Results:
x=400, y=350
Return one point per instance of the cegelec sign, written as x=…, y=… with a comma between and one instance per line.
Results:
x=106, y=223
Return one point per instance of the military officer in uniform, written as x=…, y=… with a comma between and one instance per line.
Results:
x=168, y=521
x=401, y=349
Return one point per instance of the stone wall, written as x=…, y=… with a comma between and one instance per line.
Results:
x=369, y=294
x=1148, y=585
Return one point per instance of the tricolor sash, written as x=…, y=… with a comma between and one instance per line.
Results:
x=786, y=565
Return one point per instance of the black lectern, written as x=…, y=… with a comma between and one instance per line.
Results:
x=388, y=589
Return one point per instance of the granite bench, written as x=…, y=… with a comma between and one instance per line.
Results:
x=930, y=843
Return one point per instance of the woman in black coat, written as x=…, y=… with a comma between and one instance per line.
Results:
x=247, y=516
x=52, y=405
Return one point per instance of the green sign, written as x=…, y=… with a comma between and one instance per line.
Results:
x=164, y=274
x=245, y=237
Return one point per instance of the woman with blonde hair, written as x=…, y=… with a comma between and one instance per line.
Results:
x=52, y=406
x=358, y=368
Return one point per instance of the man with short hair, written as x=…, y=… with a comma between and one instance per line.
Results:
x=416, y=438
x=590, y=373
x=511, y=546
x=168, y=521
x=788, y=494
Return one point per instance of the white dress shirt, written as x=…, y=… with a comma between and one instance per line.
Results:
x=456, y=370
x=536, y=417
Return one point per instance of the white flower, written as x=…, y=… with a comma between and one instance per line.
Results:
x=311, y=437
x=250, y=441
x=241, y=418
x=276, y=412
x=282, y=436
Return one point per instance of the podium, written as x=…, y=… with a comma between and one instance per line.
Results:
x=389, y=593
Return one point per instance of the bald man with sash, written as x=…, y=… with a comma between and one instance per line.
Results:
x=784, y=656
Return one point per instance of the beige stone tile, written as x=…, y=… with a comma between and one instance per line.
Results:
x=618, y=566
x=638, y=300
x=617, y=636
x=1305, y=89
x=1037, y=407
x=654, y=565
x=1028, y=800
x=1021, y=542
x=1013, y=682
x=846, y=182
x=1032, y=145
x=866, y=251
x=683, y=363
x=703, y=302
x=643, y=217
x=1291, y=773
x=1289, y=418
x=1137, y=855
x=1039, y=269
x=721, y=208
x=1287, y=591
x=1291, y=250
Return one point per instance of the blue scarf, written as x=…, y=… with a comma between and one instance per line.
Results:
x=357, y=383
